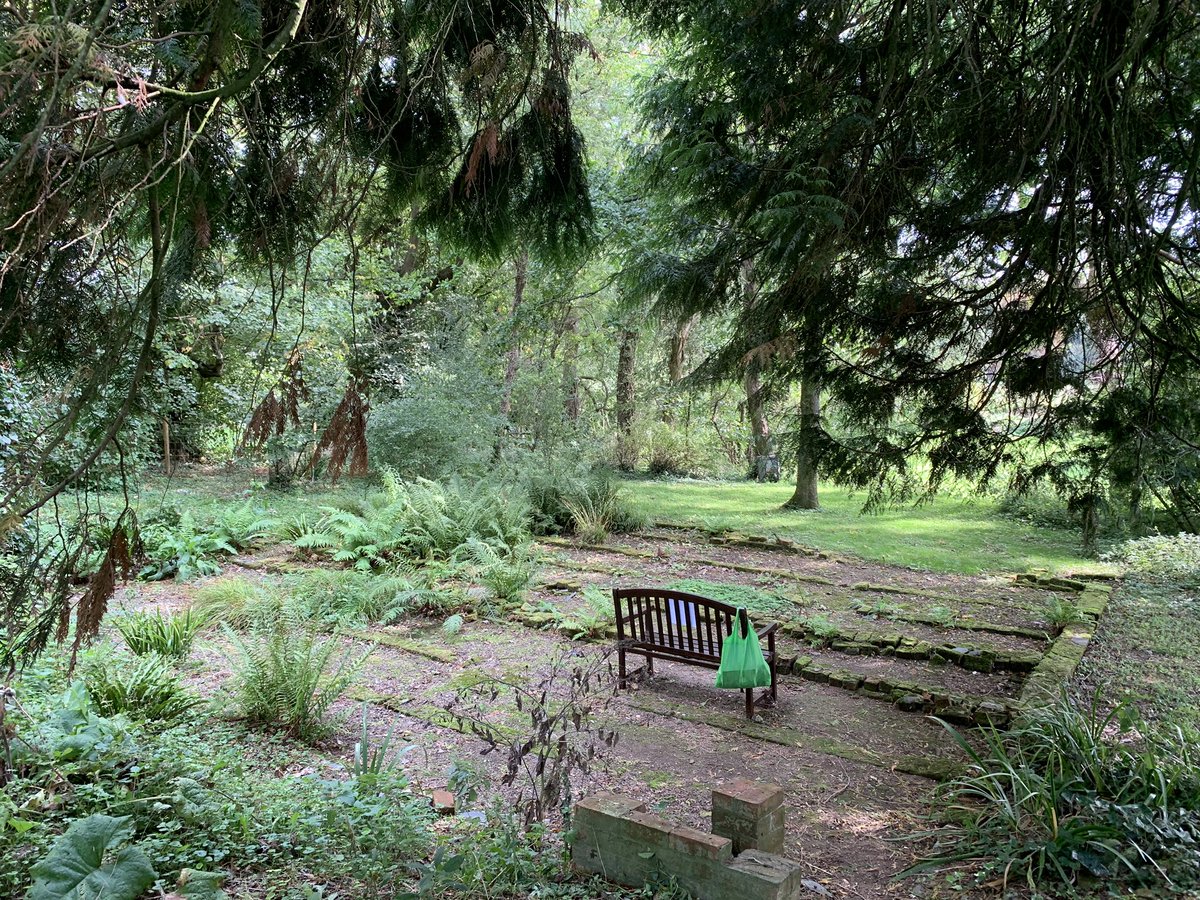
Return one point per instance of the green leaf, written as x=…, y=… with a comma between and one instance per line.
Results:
x=197, y=885
x=75, y=867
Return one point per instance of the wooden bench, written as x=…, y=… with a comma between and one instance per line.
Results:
x=686, y=628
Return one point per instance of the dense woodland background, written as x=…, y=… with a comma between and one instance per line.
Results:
x=908, y=249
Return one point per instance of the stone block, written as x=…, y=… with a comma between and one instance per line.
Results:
x=757, y=874
x=693, y=842
x=751, y=814
x=443, y=803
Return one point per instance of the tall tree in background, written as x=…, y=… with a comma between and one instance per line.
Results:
x=972, y=221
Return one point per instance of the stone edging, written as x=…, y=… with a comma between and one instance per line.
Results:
x=1045, y=684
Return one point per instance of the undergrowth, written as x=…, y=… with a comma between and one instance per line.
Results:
x=1072, y=795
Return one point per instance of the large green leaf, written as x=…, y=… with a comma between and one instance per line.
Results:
x=75, y=867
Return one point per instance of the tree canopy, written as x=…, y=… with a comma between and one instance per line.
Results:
x=974, y=221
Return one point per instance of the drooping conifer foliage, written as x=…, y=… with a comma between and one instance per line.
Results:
x=145, y=148
x=975, y=221
x=137, y=138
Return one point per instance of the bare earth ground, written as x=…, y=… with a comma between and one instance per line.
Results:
x=840, y=756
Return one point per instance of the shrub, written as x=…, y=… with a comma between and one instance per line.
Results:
x=184, y=551
x=670, y=452
x=597, y=509
x=1075, y=792
x=152, y=632
x=568, y=499
x=146, y=688
x=1173, y=556
x=282, y=676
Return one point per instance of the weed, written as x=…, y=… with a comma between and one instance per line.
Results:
x=941, y=615
x=372, y=761
x=152, y=632
x=237, y=602
x=755, y=601
x=1176, y=556
x=882, y=609
x=560, y=739
x=821, y=628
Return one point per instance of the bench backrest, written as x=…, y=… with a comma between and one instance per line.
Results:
x=686, y=624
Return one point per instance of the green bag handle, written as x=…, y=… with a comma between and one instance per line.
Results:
x=742, y=662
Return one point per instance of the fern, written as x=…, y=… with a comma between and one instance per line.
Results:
x=283, y=678
x=507, y=576
x=145, y=689
x=241, y=526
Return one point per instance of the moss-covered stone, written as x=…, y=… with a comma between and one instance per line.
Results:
x=408, y=645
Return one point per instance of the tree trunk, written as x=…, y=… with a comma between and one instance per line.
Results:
x=676, y=354
x=626, y=403
x=514, y=350
x=805, y=496
x=166, y=442
x=570, y=366
x=764, y=462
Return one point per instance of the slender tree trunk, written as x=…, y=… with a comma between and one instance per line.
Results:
x=626, y=401
x=805, y=496
x=514, y=350
x=166, y=442
x=570, y=366
x=676, y=355
x=763, y=467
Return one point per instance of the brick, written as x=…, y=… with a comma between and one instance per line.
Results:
x=609, y=805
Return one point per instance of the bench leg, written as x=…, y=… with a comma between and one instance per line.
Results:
x=622, y=677
x=749, y=703
x=649, y=663
x=774, y=659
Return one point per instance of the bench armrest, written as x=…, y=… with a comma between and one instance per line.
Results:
x=769, y=630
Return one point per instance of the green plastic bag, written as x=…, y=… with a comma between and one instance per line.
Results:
x=742, y=662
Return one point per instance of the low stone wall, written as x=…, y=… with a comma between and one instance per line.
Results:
x=616, y=838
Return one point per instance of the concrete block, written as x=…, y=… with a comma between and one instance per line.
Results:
x=751, y=814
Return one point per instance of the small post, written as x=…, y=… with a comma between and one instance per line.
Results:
x=166, y=442
x=751, y=814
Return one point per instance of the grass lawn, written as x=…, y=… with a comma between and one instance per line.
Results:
x=952, y=534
